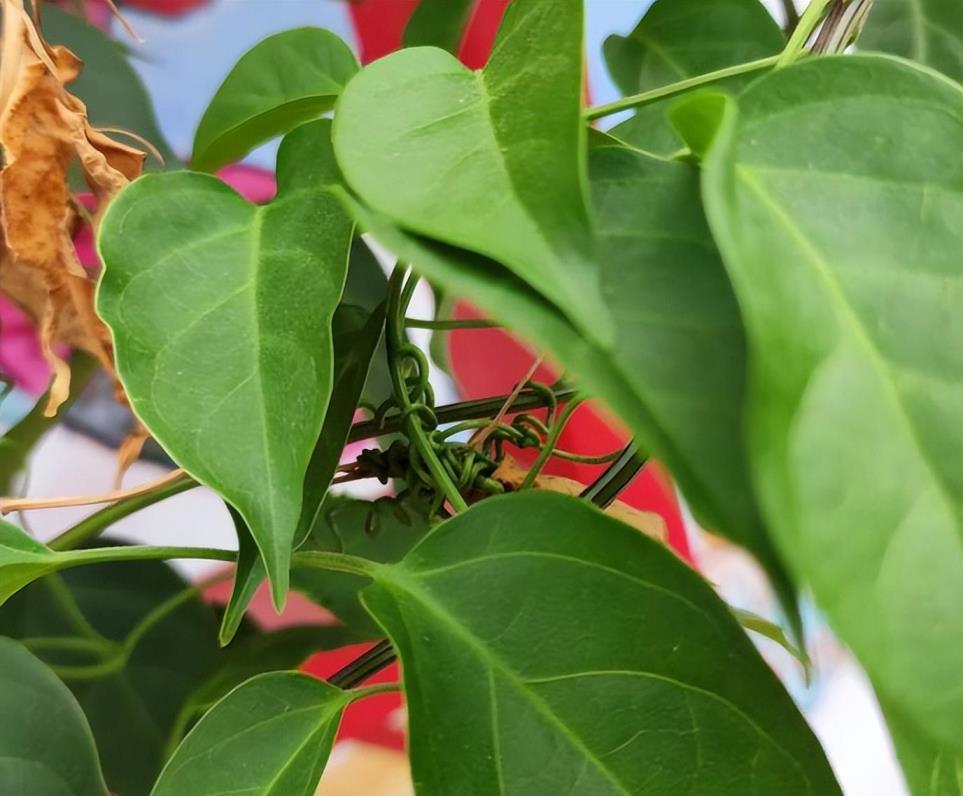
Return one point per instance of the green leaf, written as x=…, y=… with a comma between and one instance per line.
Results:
x=256, y=654
x=930, y=770
x=132, y=709
x=271, y=736
x=438, y=23
x=928, y=31
x=593, y=668
x=283, y=81
x=491, y=161
x=676, y=372
x=357, y=333
x=847, y=174
x=221, y=318
x=108, y=85
x=45, y=744
x=22, y=560
x=383, y=531
x=773, y=632
x=678, y=39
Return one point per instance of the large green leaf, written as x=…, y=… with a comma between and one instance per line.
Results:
x=678, y=39
x=835, y=194
x=491, y=161
x=108, y=85
x=438, y=23
x=675, y=373
x=930, y=770
x=928, y=31
x=383, y=531
x=132, y=709
x=221, y=318
x=271, y=736
x=45, y=744
x=357, y=332
x=283, y=81
x=572, y=654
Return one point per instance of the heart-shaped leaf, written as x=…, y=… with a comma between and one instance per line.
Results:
x=133, y=708
x=491, y=161
x=678, y=39
x=928, y=31
x=221, y=318
x=270, y=736
x=281, y=82
x=835, y=194
x=667, y=291
x=593, y=667
x=356, y=332
x=45, y=743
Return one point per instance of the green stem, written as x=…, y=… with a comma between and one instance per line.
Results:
x=441, y=326
x=69, y=644
x=797, y=41
x=96, y=523
x=20, y=440
x=67, y=603
x=550, y=442
x=100, y=555
x=671, y=90
x=480, y=409
x=372, y=690
x=117, y=661
x=394, y=341
x=337, y=562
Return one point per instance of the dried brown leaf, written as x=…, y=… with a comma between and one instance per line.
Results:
x=510, y=474
x=43, y=130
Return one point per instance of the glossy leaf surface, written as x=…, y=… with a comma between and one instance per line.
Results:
x=667, y=291
x=491, y=161
x=45, y=744
x=835, y=193
x=928, y=31
x=596, y=650
x=678, y=39
x=271, y=736
x=283, y=81
x=224, y=341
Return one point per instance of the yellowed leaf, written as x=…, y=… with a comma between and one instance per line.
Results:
x=43, y=130
x=511, y=475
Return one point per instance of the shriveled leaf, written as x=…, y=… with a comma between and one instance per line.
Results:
x=43, y=130
x=511, y=475
x=270, y=736
x=382, y=531
x=132, y=710
x=676, y=373
x=108, y=85
x=283, y=81
x=593, y=667
x=846, y=173
x=928, y=31
x=491, y=161
x=45, y=744
x=221, y=315
x=678, y=39
x=438, y=23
